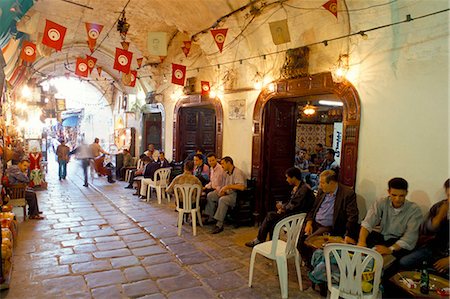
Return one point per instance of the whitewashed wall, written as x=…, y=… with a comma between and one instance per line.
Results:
x=401, y=74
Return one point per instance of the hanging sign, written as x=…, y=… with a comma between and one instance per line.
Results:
x=54, y=35
x=157, y=43
x=139, y=62
x=28, y=52
x=178, y=74
x=91, y=61
x=280, y=32
x=219, y=36
x=122, y=60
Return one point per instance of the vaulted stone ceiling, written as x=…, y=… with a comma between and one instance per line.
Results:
x=144, y=16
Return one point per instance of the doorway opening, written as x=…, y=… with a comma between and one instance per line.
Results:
x=279, y=124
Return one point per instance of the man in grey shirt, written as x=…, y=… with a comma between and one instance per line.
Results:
x=226, y=197
x=399, y=221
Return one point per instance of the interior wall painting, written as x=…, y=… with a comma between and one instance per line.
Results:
x=237, y=109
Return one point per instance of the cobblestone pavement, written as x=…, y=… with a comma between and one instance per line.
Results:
x=102, y=242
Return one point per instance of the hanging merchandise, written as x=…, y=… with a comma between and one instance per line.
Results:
x=54, y=35
x=280, y=32
x=178, y=74
x=331, y=6
x=28, y=52
x=93, y=32
x=205, y=88
x=82, y=69
x=219, y=36
x=122, y=60
x=91, y=61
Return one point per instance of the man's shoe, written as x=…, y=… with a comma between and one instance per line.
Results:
x=136, y=194
x=111, y=181
x=253, y=243
x=217, y=230
x=142, y=197
x=129, y=187
x=85, y=185
x=208, y=221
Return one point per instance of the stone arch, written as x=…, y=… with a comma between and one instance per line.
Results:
x=313, y=85
x=197, y=101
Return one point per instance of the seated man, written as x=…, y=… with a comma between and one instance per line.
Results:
x=139, y=174
x=127, y=163
x=97, y=152
x=198, y=150
x=149, y=174
x=185, y=178
x=217, y=179
x=17, y=174
x=151, y=152
x=335, y=211
x=435, y=236
x=329, y=163
x=201, y=170
x=135, y=172
x=398, y=221
x=163, y=163
x=301, y=201
x=226, y=197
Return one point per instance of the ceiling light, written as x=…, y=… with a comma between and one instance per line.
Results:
x=309, y=109
x=330, y=103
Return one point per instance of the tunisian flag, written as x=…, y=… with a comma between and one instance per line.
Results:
x=178, y=74
x=54, y=35
x=205, y=88
x=122, y=61
x=129, y=79
x=28, y=52
x=331, y=6
x=219, y=37
x=91, y=61
x=93, y=31
x=82, y=68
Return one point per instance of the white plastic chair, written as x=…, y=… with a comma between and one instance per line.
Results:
x=136, y=161
x=280, y=251
x=190, y=193
x=160, y=182
x=352, y=262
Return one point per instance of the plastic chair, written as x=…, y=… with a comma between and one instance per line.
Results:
x=280, y=251
x=188, y=194
x=137, y=163
x=352, y=262
x=17, y=197
x=160, y=182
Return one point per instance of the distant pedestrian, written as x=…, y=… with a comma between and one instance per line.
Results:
x=84, y=154
x=62, y=151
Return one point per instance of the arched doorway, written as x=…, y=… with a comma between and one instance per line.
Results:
x=275, y=104
x=197, y=122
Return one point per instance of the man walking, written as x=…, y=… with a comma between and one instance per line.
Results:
x=62, y=151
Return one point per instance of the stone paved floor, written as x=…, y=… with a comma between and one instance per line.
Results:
x=102, y=242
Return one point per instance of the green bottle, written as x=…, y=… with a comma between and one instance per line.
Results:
x=424, y=279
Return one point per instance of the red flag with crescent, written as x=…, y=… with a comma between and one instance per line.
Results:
x=139, y=62
x=133, y=78
x=82, y=68
x=219, y=36
x=28, y=52
x=91, y=61
x=205, y=88
x=54, y=35
x=93, y=32
x=178, y=74
x=122, y=60
x=331, y=6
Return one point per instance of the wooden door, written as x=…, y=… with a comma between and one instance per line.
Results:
x=197, y=129
x=278, y=151
x=153, y=130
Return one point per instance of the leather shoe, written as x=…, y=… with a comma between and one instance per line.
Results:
x=129, y=187
x=85, y=185
x=111, y=181
x=142, y=197
x=217, y=230
x=208, y=222
x=253, y=243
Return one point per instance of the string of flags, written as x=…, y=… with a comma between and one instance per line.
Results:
x=54, y=35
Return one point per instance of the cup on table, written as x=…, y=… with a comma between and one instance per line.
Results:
x=326, y=237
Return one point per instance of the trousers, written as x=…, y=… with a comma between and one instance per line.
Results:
x=222, y=203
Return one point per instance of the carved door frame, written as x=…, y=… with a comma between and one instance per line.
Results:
x=197, y=101
x=316, y=84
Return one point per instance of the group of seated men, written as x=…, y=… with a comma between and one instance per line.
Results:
x=392, y=225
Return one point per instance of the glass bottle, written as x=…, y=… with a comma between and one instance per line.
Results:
x=424, y=278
